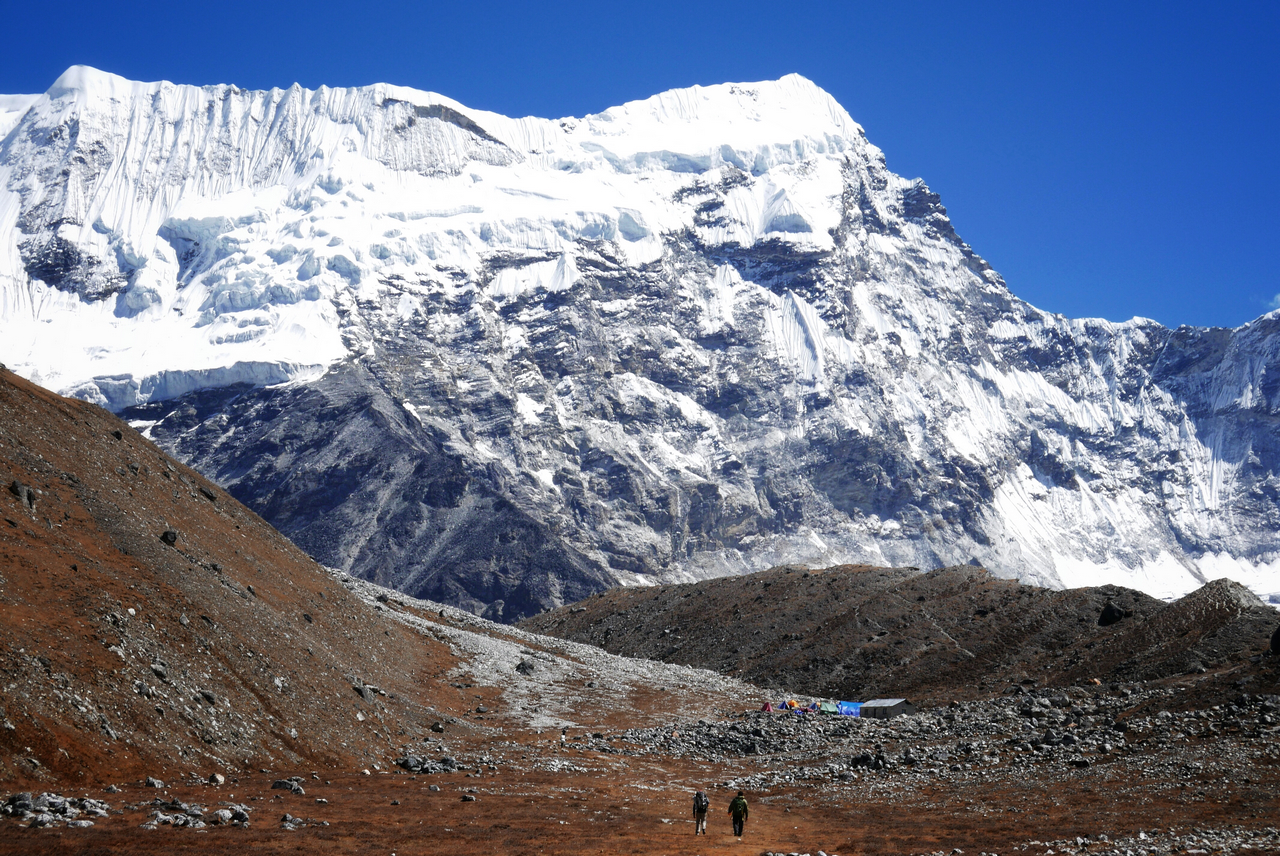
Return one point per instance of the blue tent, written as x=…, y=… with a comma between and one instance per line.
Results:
x=849, y=708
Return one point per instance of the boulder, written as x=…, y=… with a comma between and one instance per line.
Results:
x=292, y=785
x=1110, y=615
x=26, y=495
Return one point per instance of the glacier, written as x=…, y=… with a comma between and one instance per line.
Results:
x=504, y=363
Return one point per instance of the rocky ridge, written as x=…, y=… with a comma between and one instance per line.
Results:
x=856, y=633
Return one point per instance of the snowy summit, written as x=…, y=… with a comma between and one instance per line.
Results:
x=506, y=362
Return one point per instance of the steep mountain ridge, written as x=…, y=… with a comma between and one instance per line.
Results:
x=700, y=334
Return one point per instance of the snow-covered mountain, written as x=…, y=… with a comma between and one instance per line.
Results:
x=506, y=362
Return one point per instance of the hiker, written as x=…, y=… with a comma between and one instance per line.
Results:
x=738, y=809
x=700, y=806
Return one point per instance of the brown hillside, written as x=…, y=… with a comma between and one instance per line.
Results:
x=125, y=655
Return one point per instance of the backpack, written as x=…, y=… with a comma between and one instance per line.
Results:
x=700, y=801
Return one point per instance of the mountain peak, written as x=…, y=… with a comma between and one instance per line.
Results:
x=91, y=82
x=739, y=114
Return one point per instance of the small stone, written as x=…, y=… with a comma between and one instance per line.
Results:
x=153, y=782
x=217, y=779
x=169, y=537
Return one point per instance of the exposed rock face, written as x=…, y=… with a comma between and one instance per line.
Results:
x=700, y=334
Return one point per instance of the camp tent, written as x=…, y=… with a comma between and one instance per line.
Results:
x=849, y=708
x=828, y=707
x=886, y=708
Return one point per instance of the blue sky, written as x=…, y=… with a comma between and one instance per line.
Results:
x=1107, y=161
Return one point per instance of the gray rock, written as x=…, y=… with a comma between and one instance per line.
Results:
x=292, y=784
x=26, y=495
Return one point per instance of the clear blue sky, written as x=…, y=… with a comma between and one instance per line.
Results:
x=1110, y=159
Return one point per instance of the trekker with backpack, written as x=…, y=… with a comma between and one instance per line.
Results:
x=738, y=810
x=700, y=806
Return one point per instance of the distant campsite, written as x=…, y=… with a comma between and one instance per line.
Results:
x=880, y=708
